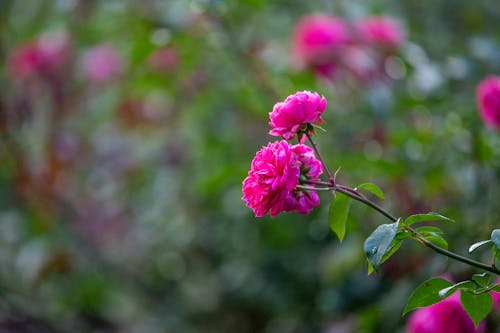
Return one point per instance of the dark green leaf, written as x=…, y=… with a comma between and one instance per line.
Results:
x=379, y=243
x=337, y=215
x=482, y=279
x=426, y=294
x=478, y=244
x=426, y=218
x=496, y=288
x=476, y=306
x=495, y=237
x=372, y=188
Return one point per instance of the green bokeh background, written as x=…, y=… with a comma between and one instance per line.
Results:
x=148, y=232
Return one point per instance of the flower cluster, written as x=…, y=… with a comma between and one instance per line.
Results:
x=330, y=45
x=277, y=169
x=488, y=98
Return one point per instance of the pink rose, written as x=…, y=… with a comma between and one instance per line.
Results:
x=488, y=99
x=304, y=201
x=298, y=110
x=447, y=316
x=380, y=30
x=102, y=63
x=273, y=177
x=316, y=40
x=273, y=174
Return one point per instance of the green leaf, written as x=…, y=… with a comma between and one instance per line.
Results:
x=337, y=214
x=429, y=230
x=482, y=279
x=393, y=247
x=379, y=243
x=476, y=306
x=495, y=238
x=437, y=240
x=370, y=268
x=478, y=244
x=496, y=288
x=426, y=294
x=464, y=285
x=372, y=188
x=426, y=218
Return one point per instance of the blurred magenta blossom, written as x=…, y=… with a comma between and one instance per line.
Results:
x=296, y=112
x=102, y=63
x=330, y=46
x=317, y=40
x=488, y=98
x=380, y=30
x=44, y=56
x=447, y=316
x=274, y=175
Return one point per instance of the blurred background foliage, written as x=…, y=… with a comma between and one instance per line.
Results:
x=120, y=201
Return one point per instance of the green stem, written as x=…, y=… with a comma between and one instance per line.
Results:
x=331, y=179
x=361, y=198
x=419, y=237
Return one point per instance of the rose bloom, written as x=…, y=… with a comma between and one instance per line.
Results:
x=274, y=175
x=102, y=63
x=447, y=316
x=380, y=30
x=44, y=56
x=299, y=109
x=488, y=99
x=310, y=169
x=316, y=40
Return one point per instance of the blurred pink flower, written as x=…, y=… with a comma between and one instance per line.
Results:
x=102, y=63
x=274, y=175
x=316, y=40
x=298, y=110
x=496, y=297
x=488, y=99
x=164, y=59
x=380, y=30
x=44, y=56
x=447, y=316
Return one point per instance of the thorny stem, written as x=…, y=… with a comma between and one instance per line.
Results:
x=354, y=194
